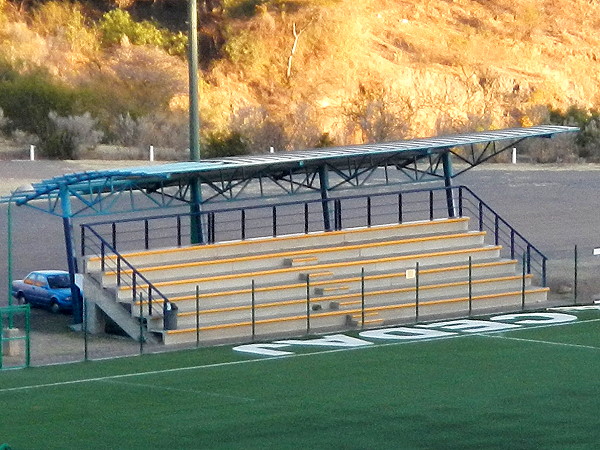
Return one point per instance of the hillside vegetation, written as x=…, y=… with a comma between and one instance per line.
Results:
x=298, y=73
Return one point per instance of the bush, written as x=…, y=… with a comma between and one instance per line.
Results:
x=259, y=129
x=27, y=100
x=67, y=21
x=67, y=137
x=587, y=139
x=117, y=24
x=222, y=144
x=241, y=8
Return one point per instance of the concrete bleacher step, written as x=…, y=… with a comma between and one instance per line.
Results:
x=337, y=319
x=366, y=320
x=320, y=287
x=356, y=278
x=266, y=261
x=291, y=274
x=243, y=310
x=295, y=262
x=174, y=255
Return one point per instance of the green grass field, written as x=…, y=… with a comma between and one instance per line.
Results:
x=536, y=385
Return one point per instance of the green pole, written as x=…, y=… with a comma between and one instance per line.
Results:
x=362, y=297
x=9, y=273
x=1, y=339
x=141, y=326
x=523, y=282
x=194, y=125
x=307, y=303
x=417, y=292
x=575, y=257
x=470, y=286
x=197, y=316
x=28, y=335
x=253, y=311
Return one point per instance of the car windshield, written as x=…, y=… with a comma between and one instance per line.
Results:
x=59, y=281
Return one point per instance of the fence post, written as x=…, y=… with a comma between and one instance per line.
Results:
x=102, y=256
x=82, y=239
x=197, y=316
x=431, y=205
x=85, y=330
x=306, y=223
x=400, y=208
x=307, y=303
x=362, y=297
x=417, y=292
x=28, y=334
x=523, y=282
x=470, y=285
x=512, y=243
x=575, y=275
x=253, y=310
x=496, y=230
x=141, y=326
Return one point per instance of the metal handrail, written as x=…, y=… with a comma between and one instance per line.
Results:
x=108, y=254
x=535, y=260
x=417, y=204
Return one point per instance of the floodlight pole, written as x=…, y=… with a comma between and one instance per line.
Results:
x=194, y=126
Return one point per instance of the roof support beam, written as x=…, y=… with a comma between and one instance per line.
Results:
x=65, y=201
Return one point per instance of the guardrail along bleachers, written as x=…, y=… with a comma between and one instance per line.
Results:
x=320, y=281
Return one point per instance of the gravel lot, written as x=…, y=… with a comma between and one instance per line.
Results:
x=555, y=207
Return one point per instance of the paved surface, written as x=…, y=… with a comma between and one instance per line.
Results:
x=555, y=207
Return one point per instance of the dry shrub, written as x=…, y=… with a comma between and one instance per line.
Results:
x=259, y=131
x=143, y=78
x=163, y=130
x=22, y=47
x=559, y=149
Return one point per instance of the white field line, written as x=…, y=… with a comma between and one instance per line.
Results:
x=271, y=358
x=223, y=364
x=537, y=341
x=185, y=391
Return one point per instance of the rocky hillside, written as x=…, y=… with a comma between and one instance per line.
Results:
x=302, y=73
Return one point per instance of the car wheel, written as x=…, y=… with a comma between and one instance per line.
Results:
x=54, y=307
x=21, y=300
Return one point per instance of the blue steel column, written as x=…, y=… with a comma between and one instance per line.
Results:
x=324, y=183
x=448, y=172
x=65, y=203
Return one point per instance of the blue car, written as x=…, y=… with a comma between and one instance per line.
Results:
x=47, y=288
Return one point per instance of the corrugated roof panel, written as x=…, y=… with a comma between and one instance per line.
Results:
x=283, y=160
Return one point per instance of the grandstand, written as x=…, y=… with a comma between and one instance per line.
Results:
x=331, y=260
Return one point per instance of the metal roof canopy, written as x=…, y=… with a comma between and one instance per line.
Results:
x=318, y=170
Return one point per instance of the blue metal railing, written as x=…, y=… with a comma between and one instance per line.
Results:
x=246, y=222
x=126, y=273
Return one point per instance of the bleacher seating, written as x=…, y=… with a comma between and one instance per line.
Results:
x=323, y=281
